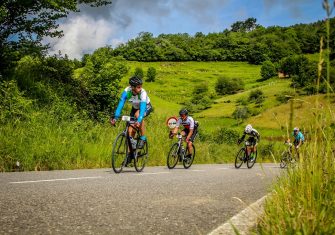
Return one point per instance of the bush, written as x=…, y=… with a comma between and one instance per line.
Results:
x=228, y=86
x=285, y=96
x=241, y=113
x=139, y=72
x=256, y=96
x=268, y=70
x=151, y=74
x=225, y=135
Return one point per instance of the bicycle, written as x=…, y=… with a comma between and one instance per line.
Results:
x=243, y=157
x=287, y=156
x=126, y=148
x=178, y=153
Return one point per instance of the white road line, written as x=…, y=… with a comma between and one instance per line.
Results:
x=198, y=170
x=52, y=180
x=154, y=173
x=225, y=168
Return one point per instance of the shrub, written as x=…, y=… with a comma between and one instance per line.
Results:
x=256, y=96
x=228, y=86
x=151, y=74
x=225, y=135
x=268, y=70
x=139, y=72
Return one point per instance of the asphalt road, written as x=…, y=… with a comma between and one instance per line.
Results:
x=157, y=201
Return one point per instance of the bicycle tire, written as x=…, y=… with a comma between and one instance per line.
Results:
x=284, y=160
x=173, y=157
x=239, y=159
x=119, y=152
x=250, y=163
x=188, y=162
x=141, y=157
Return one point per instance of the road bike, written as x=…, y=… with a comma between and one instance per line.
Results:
x=179, y=152
x=287, y=156
x=243, y=157
x=126, y=149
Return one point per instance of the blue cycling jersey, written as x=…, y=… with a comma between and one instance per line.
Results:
x=298, y=137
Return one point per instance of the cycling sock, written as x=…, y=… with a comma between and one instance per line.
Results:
x=143, y=137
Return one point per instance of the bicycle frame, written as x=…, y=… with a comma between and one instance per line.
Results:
x=130, y=121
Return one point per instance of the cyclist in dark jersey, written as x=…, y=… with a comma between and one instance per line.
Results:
x=252, y=140
x=189, y=131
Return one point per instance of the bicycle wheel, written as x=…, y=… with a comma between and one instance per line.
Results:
x=284, y=159
x=252, y=159
x=119, y=152
x=239, y=158
x=189, y=160
x=172, y=158
x=141, y=157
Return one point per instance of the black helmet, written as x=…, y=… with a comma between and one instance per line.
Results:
x=183, y=111
x=135, y=81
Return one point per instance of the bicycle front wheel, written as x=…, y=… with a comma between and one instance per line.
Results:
x=284, y=159
x=188, y=159
x=141, y=157
x=252, y=159
x=119, y=152
x=239, y=159
x=172, y=158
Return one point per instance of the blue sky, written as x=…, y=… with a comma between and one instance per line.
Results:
x=92, y=28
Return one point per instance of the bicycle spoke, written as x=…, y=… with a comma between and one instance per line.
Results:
x=172, y=158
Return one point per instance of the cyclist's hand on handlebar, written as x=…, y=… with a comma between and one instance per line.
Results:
x=171, y=135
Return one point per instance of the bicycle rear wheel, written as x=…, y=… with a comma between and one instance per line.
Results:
x=284, y=159
x=252, y=159
x=119, y=152
x=239, y=159
x=172, y=158
x=189, y=160
x=141, y=157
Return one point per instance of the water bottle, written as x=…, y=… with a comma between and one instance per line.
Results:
x=182, y=151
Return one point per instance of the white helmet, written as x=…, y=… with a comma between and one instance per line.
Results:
x=248, y=129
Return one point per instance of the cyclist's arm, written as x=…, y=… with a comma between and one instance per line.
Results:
x=189, y=134
x=120, y=105
x=143, y=106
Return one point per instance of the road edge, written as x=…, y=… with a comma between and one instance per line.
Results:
x=243, y=221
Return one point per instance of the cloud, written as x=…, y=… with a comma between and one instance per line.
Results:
x=294, y=7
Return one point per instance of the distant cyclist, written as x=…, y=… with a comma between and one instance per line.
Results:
x=298, y=139
x=253, y=139
x=141, y=106
x=189, y=131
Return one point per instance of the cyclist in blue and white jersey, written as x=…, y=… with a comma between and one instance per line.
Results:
x=141, y=106
x=298, y=139
x=189, y=131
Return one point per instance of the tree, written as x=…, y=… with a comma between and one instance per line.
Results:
x=26, y=23
x=268, y=70
x=244, y=26
x=151, y=74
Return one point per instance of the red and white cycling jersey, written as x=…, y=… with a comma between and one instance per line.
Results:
x=188, y=123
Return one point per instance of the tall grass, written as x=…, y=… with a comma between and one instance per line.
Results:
x=303, y=200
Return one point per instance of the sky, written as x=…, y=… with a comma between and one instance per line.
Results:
x=92, y=28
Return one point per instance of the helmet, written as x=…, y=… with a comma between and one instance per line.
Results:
x=248, y=129
x=183, y=111
x=135, y=81
x=295, y=129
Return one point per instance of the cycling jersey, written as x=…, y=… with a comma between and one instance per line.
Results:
x=140, y=102
x=298, y=137
x=254, y=136
x=188, y=123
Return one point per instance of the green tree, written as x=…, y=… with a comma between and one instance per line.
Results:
x=30, y=22
x=151, y=74
x=268, y=70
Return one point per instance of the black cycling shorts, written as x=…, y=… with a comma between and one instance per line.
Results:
x=147, y=111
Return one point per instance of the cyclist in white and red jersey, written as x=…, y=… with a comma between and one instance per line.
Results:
x=189, y=131
x=141, y=106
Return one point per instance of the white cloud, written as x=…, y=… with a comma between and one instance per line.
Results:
x=82, y=34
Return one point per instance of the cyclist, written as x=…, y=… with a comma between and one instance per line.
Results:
x=189, y=131
x=253, y=139
x=141, y=106
x=298, y=139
